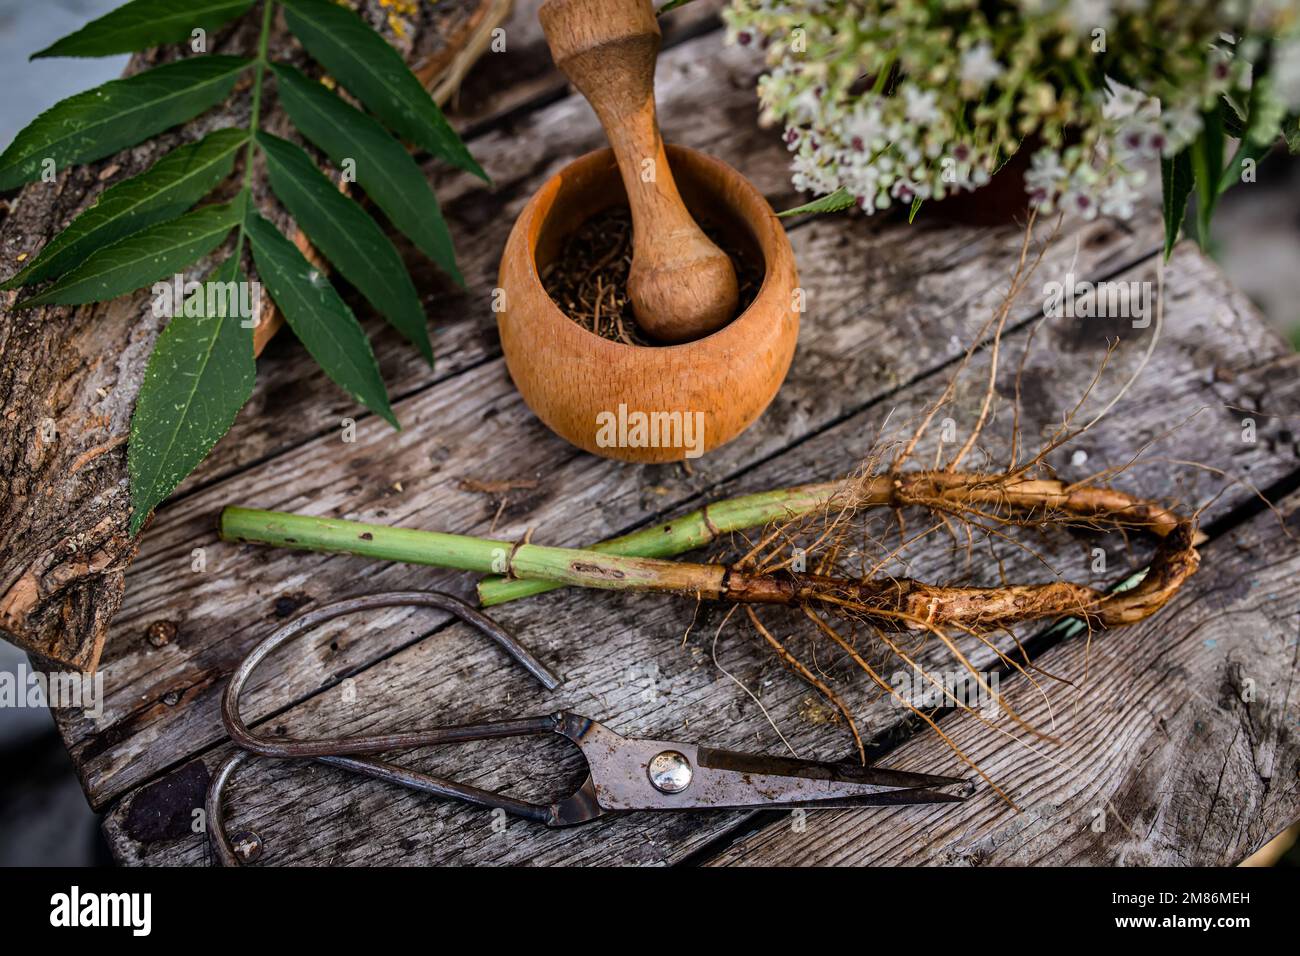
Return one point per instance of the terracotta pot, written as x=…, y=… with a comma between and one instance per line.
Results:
x=619, y=400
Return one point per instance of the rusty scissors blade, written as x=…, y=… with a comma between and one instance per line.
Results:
x=629, y=774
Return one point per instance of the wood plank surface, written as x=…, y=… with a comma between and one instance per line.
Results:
x=928, y=290
x=414, y=478
x=623, y=656
x=891, y=307
x=1182, y=747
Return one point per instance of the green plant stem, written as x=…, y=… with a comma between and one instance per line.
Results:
x=686, y=533
x=888, y=599
x=619, y=563
x=255, y=114
x=560, y=566
x=259, y=72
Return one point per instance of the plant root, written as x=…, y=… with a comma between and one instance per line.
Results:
x=904, y=603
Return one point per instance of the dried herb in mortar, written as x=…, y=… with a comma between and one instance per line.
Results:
x=588, y=280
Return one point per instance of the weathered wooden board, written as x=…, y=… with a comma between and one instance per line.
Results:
x=74, y=372
x=890, y=309
x=413, y=478
x=611, y=646
x=1182, y=747
x=930, y=291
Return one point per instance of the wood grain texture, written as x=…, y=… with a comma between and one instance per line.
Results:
x=1182, y=747
x=74, y=373
x=681, y=285
x=623, y=656
x=889, y=309
x=294, y=403
x=577, y=382
x=847, y=358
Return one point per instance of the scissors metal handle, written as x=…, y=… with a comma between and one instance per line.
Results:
x=343, y=751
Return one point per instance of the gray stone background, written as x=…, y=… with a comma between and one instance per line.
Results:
x=44, y=819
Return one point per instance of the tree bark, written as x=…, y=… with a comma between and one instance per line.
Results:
x=69, y=375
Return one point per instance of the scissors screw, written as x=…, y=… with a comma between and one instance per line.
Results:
x=670, y=772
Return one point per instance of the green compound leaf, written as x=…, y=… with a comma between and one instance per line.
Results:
x=154, y=253
x=840, y=199
x=163, y=191
x=318, y=316
x=121, y=113
x=198, y=378
x=374, y=72
x=141, y=24
x=348, y=237
x=384, y=169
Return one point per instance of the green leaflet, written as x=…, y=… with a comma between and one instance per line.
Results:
x=384, y=168
x=198, y=378
x=374, y=72
x=118, y=114
x=348, y=238
x=154, y=253
x=165, y=190
x=1207, y=166
x=141, y=24
x=321, y=320
x=1175, y=185
x=840, y=199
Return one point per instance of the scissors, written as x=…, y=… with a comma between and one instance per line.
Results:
x=625, y=774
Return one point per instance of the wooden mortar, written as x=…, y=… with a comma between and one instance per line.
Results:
x=575, y=381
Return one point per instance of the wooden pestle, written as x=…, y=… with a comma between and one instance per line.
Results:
x=681, y=286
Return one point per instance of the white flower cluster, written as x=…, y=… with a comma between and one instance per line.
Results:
x=902, y=100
